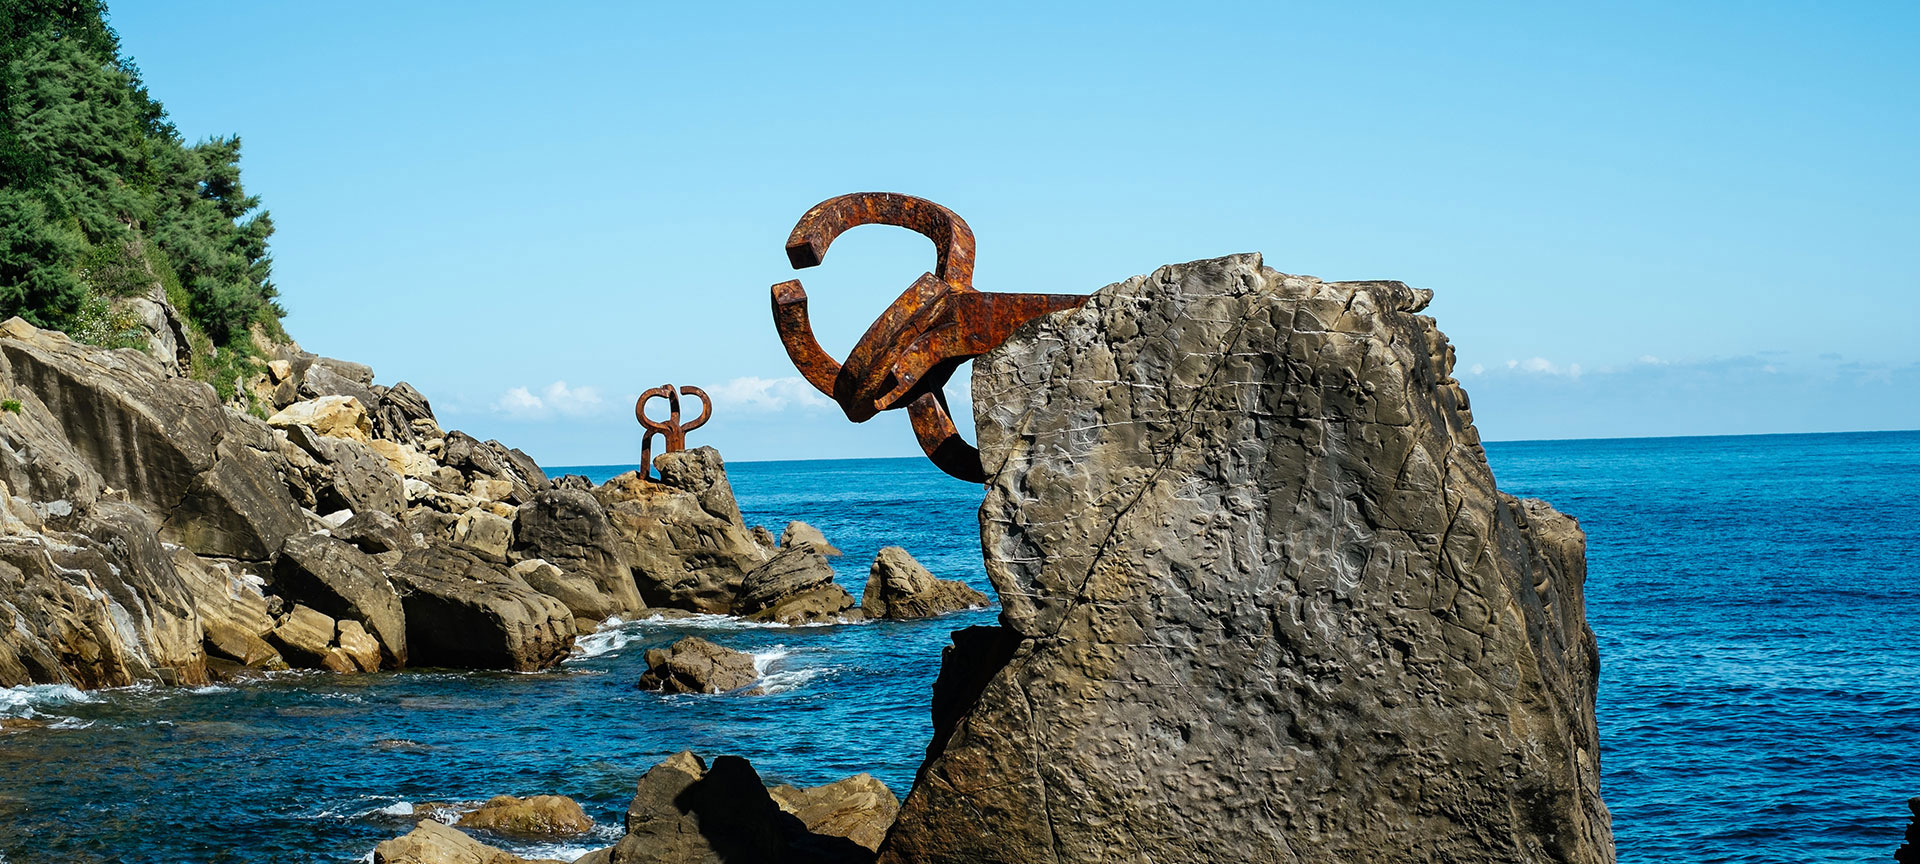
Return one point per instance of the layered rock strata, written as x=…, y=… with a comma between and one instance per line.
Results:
x=1262, y=600
x=150, y=531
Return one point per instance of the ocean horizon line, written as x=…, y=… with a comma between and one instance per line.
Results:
x=1621, y=438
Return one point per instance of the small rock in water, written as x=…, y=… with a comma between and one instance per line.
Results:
x=899, y=588
x=694, y=665
x=800, y=532
x=433, y=843
x=535, y=816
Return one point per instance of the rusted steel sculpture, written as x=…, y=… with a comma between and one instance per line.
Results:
x=670, y=428
x=907, y=356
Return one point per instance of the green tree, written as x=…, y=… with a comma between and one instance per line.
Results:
x=100, y=197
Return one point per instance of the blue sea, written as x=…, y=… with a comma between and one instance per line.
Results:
x=1756, y=599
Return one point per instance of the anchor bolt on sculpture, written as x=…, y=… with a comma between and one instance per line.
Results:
x=907, y=356
x=671, y=428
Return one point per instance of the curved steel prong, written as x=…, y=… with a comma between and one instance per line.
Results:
x=796, y=333
x=706, y=408
x=952, y=239
x=941, y=441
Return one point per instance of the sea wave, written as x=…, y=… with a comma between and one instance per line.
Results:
x=768, y=667
x=26, y=699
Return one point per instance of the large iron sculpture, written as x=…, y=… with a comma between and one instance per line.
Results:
x=671, y=428
x=913, y=348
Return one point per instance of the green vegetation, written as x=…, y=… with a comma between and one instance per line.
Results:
x=101, y=199
x=11, y=406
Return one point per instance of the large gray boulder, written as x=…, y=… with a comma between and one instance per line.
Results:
x=464, y=611
x=685, y=545
x=1262, y=599
x=899, y=587
x=569, y=529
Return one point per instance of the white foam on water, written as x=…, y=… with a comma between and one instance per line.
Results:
x=26, y=699
x=609, y=638
x=209, y=690
x=398, y=808
x=712, y=621
x=774, y=680
x=765, y=658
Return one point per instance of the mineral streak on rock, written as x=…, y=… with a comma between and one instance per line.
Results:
x=1262, y=600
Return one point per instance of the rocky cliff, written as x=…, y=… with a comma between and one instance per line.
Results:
x=1262, y=599
x=150, y=531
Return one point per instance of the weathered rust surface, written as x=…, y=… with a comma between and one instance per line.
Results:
x=671, y=428
x=907, y=356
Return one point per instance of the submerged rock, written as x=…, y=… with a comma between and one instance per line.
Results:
x=433, y=843
x=533, y=816
x=694, y=665
x=1262, y=600
x=898, y=587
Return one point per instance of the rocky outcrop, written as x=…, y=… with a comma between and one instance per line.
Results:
x=899, y=588
x=464, y=611
x=149, y=531
x=93, y=599
x=686, y=812
x=859, y=808
x=433, y=843
x=685, y=544
x=1261, y=598
x=694, y=665
x=569, y=529
x=795, y=586
x=533, y=816
x=341, y=581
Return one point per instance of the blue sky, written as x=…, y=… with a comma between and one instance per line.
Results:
x=1638, y=219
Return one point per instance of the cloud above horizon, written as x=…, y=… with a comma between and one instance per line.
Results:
x=556, y=399
x=755, y=395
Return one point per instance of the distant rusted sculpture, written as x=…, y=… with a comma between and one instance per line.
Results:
x=907, y=356
x=670, y=428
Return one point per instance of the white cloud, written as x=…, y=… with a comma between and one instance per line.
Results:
x=1543, y=366
x=755, y=395
x=555, y=398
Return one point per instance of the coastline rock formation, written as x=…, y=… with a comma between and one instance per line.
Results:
x=1262, y=600
x=151, y=531
x=899, y=588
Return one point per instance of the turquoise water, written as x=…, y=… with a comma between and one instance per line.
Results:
x=1756, y=600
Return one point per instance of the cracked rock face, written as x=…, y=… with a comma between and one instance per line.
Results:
x=1262, y=600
